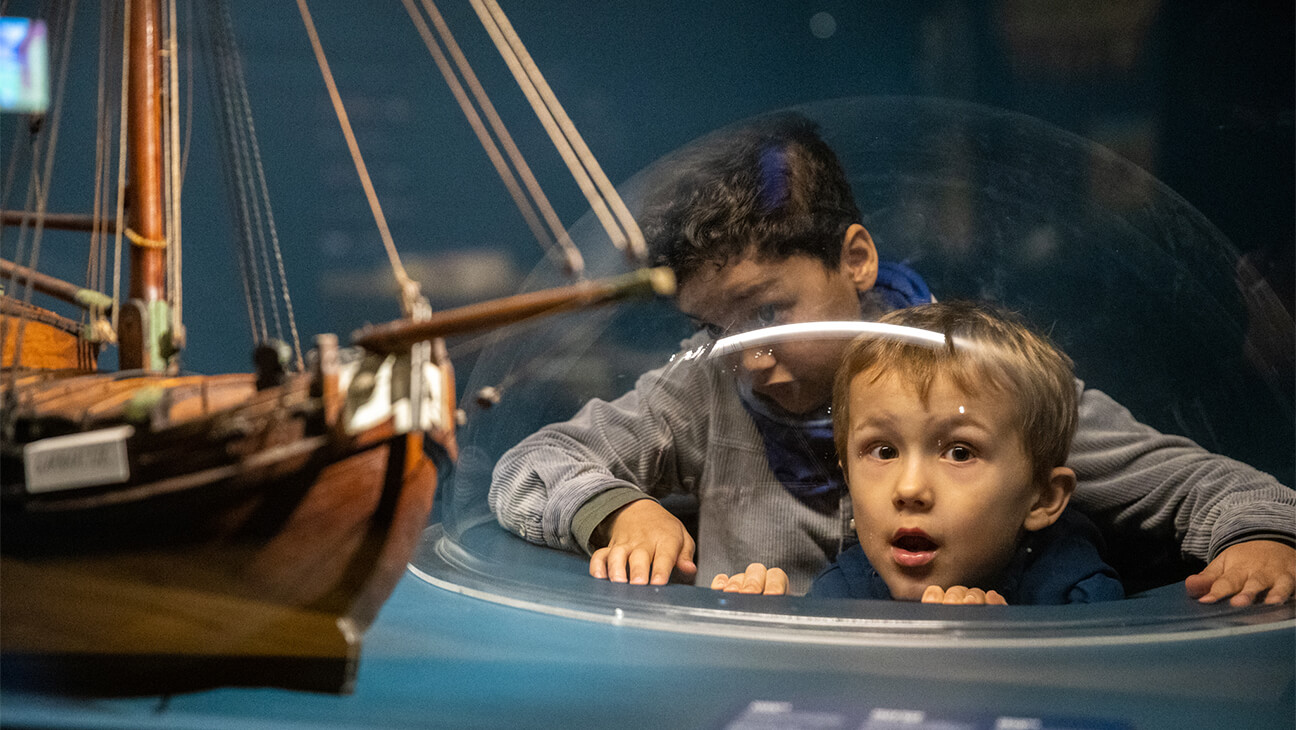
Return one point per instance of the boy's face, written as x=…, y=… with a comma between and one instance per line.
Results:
x=941, y=489
x=752, y=292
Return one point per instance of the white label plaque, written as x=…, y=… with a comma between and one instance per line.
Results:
x=78, y=460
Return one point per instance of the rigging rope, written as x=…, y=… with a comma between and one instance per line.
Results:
x=254, y=195
x=408, y=287
x=580, y=161
x=173, y=180
x=121, y=168
x=279, y=286
x=602, y=196
x=11, y=171
x=568, y=255
x=234, y=171
x=97, y=261
x=261, y=258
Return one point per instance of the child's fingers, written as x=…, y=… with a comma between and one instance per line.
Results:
x=598, y=564
x=639, y=565
x=755, y=579
x=617, y=556
x=933, y=594
x=1200, y=584
x=962, y=596
x=758, y=579
x=646, y=544
x=1282, y=590
x=1246, y=571
x=735, y=583
x=684, y=563
x=642, y=565
x=1254, y=586
x=776, y=582
x=954, y=595
x=1222, y=587
x=663, y=562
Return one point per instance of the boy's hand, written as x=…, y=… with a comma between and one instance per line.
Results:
x=756, y=579
x=962, y=596
x=645, y=543
x=1245, y=571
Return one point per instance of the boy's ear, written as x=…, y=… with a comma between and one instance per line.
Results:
x=1052, y=499
x=860, y=257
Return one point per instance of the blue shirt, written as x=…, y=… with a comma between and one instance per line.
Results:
x=1056, y=565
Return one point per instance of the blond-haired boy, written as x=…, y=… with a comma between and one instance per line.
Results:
x=954, y=458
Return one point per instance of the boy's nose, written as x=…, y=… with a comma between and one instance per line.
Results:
x=912, y=491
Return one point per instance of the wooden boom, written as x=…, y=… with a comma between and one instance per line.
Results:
x=400, y=334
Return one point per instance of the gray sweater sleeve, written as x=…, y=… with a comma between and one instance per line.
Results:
x=1131, y=478
x=644, y=440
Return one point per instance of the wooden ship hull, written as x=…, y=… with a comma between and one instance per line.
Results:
x=162, y=532
x=245, y=539
x=51, y=341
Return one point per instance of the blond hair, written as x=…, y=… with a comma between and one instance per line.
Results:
x=985, y=349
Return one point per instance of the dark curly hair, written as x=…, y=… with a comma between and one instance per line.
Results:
x=771, y=184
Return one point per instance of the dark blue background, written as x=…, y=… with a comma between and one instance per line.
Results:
x=1199, y=93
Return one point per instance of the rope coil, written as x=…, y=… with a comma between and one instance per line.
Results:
x=138, y=240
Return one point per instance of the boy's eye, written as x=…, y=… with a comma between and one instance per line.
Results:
x=883, y=452
x=714, y=331
x=766, y=314
x=959, y=453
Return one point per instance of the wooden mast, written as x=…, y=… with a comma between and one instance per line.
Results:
x=145, y=319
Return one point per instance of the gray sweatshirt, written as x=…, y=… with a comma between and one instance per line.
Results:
x=683, y=429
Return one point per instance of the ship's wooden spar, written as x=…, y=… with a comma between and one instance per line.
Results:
x=61, y=221
x=399, y=335
x=52, y=286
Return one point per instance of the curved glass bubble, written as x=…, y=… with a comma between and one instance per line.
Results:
x=1150, y=300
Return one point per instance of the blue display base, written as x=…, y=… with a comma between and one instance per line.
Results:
x=440, y=657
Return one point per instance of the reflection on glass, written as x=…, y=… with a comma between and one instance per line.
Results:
x=821, y=330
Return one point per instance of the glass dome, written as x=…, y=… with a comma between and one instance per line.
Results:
x=1151, y=301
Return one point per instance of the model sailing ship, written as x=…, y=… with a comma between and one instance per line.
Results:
x=163, y=531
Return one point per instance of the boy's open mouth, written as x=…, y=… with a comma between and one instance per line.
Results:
x=912, y=548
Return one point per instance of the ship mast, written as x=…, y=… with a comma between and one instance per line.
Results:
x=144, y=330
